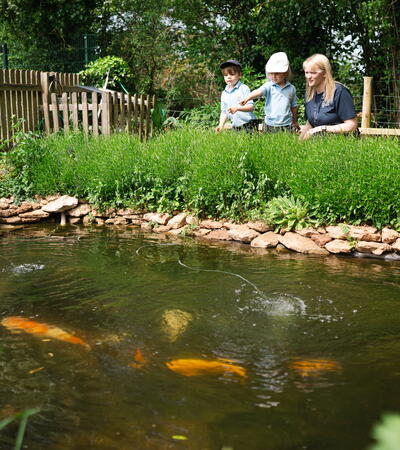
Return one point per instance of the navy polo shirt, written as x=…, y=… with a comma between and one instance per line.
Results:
x=340, y=109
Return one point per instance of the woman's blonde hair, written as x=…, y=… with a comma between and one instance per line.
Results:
x=321, y=62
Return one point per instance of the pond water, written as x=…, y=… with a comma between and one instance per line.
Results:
x=313, y=343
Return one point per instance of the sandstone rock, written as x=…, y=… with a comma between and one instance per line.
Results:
x=211, y=224
x=161, y=228
x=126, y=212
x=375, y=248
x=98, y=220
x=396, y=245
x=338, y=246
x=389, y=236
x=4, y=205
x=14, y=220
x=74, y=220
x=136, y=221
x=177, y=221
x=8, y=212
x=220, y=235
x=79, y=211
x=243, y=233
x=87, y=220
x=201, y=232
x=109, y=221
x=36, y=214
x=266, y=240
x=62, y=204
x=260, y=226
x=120, y=221
x=338, y=232
x=321, y=239
x=161, y=219
x=301, y=244
x=177, y=231
x=146, y=226
x=364, y=233
x=307, y=232
x=192, y=220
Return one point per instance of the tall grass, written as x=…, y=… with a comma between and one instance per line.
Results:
x=230, y=174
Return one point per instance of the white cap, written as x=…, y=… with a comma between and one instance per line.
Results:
x=277, y=63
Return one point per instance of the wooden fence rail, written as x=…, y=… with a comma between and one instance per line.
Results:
x=52, y=101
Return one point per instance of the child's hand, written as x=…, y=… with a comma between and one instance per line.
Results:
x=243, y=102
x=296, y=126
x=233, y=109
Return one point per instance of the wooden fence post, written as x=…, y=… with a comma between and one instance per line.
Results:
x=106, y=114
x=367, y=102
x=44, y=83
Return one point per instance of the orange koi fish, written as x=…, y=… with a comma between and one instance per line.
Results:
x=314, y=367
x=195, y=367
x=16, y=323
x=139, y=359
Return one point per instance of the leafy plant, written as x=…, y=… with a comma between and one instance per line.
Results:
x=111, y=69
x=288, y=213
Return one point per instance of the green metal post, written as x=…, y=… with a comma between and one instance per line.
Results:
x=5, y=56
x=85, y=43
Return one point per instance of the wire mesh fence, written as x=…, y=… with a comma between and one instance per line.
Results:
x=70, y=58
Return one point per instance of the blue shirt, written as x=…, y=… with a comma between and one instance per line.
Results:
x=232, y=98
x=340, y=109
x=278, y=103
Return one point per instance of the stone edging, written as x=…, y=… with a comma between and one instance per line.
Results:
x=337, y=239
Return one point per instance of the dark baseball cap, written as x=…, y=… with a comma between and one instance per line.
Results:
x=230, y=62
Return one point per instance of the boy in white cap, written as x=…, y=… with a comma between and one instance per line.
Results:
x=280, y=96
x=241, y=115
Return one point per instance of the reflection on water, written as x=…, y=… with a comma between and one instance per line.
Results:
x=192, y=345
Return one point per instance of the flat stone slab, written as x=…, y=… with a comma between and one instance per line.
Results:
x=338, y=246
x=301, y=244
x=161, y=219
x=242, y=233
x=62, y=204
x=266, y=240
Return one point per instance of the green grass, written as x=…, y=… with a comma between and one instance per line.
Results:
x=227, y=175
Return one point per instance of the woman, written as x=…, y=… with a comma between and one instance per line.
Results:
x=329, y=105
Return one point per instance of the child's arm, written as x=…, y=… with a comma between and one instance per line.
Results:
x=295, y=124
x=222, y=120
x=245, y=108
x=254, y=94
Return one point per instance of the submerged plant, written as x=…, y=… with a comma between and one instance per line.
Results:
x=288, y=213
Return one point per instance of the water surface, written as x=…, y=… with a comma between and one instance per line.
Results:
x=267, y=312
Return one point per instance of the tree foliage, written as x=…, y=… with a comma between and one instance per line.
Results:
x=173, y=47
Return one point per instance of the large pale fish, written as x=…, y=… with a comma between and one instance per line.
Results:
x=175, y=322
x=314, y=367
x=195, y=367
x=16, y=323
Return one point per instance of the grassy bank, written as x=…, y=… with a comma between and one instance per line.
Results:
x=325, y=180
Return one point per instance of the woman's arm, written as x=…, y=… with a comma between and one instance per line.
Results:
x=346, y=127
x=304, y=130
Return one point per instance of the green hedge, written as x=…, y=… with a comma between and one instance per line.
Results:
x=231, y=175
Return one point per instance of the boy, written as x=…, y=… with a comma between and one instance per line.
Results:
x=280, y=96
x=241, y=116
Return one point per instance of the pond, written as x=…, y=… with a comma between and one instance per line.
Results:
x=182, y=344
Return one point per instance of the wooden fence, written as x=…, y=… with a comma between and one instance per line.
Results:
x=51, y=102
